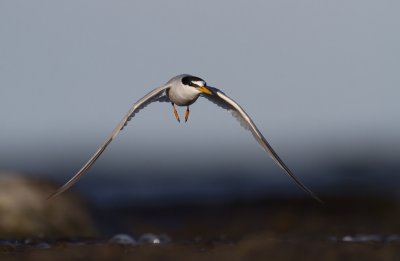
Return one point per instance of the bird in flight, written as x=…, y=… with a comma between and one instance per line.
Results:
x=184, y=90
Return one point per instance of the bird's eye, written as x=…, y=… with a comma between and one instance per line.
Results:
x=186, y=80
x=193, y=81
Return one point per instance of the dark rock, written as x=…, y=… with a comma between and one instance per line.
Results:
x=26, y=212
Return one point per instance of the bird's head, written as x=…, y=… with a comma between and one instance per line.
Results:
x=197, y=83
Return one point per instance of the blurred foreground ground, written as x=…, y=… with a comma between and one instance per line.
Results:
x=256, y=248
x=342, y=229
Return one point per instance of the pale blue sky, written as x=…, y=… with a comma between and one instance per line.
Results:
x=312, y=74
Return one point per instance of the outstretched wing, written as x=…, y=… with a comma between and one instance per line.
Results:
x=219, y=98
x=155, y=95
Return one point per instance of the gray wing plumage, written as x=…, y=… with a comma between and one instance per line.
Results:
x=227, y=103
x=157, y=94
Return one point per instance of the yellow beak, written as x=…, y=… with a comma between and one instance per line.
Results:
x=204, y=90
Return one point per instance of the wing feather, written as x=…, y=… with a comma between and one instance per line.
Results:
x=227, y=103
x=153, y=96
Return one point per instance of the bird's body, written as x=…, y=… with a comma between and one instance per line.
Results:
x=184, y=90
x=180, y=94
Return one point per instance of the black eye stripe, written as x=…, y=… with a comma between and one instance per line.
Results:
x=188, y=80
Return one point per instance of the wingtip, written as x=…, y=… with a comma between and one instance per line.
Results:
x=320, y=201
x=52, y=195
x=309, y=192
x=56, y=193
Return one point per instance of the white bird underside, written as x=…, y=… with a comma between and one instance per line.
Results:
x=217, y=97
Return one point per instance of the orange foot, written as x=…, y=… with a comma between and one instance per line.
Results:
x=175, y=112
x=187, y=114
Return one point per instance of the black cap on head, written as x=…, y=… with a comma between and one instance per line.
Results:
x=193, y=81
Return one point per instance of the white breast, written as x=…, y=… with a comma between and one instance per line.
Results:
x=183, y=95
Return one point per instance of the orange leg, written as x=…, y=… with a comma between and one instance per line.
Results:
x=175, y=112
x=187, y=114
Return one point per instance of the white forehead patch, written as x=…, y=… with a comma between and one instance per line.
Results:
x=199, y=83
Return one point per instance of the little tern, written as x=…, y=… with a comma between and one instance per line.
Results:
x=184, y=90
